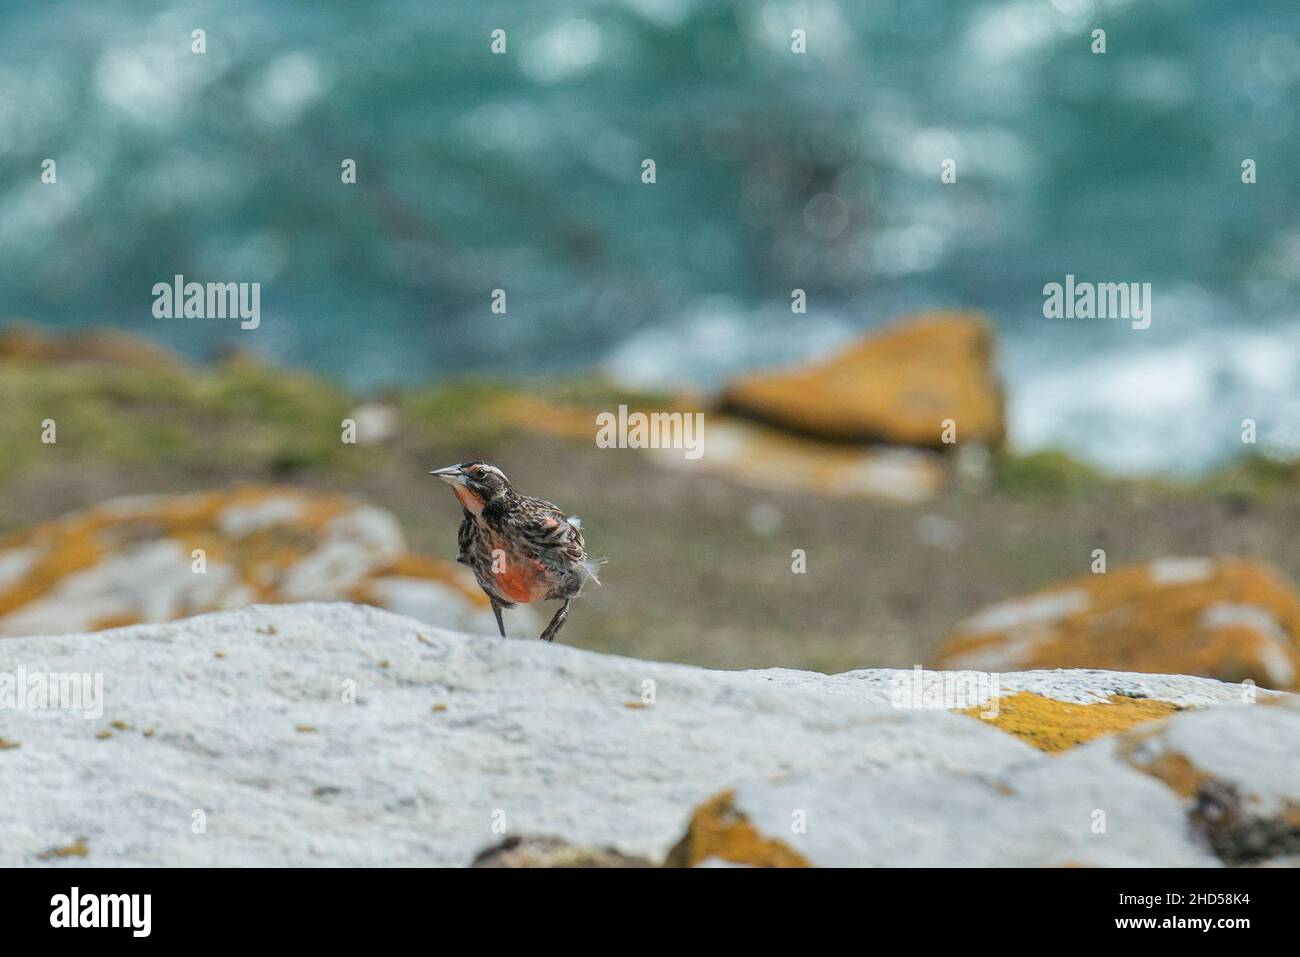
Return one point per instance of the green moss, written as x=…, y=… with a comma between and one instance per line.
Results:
x=242, y=418
x=454, y=409
x=1252, y=479
x=254, y=417
x=1051, y=472
x=468, y=410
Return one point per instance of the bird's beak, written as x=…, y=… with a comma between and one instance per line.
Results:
x=452, y=475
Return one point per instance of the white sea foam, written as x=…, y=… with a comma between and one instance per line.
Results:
x=1168, y=399
x=1176, y=405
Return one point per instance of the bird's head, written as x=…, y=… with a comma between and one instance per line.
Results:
x=475, y=483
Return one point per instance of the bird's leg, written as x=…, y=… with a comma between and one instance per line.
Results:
x=496, y=610
x=557, y=622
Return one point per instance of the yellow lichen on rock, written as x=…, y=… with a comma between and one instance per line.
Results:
x=896, y=386
x=159, y=558
x=78, y=848
x=1146, y=750
x=1056, y=726
x=1225, y=618
x=1176, y=771
x=719, y=830
x=1245, y=818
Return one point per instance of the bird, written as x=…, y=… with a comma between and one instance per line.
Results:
x=519, y=548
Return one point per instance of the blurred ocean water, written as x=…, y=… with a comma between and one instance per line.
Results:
x=775, y=171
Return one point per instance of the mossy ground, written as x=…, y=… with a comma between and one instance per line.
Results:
x=692, y=574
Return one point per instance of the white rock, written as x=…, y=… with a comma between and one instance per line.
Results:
x=354, y=545
x=537, y=735
x=16, y=563
x=1036, y=814
x=376, y=422
x=150, y=580
x=429, y=600
x=238, y=521
x=1027, y=613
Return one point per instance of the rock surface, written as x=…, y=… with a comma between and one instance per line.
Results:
x=346, y=735
x=134, y=560
x=1227, y=618
x=553, y=852
x=763, y=456
x=897, y=386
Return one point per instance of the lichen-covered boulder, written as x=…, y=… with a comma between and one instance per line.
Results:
x=1227, y=618
x=335, y=734
x=897, y=386
x=1236, y=773
x=158, y=558
x=1208, y=787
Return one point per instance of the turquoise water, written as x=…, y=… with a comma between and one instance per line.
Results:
x=775, y=171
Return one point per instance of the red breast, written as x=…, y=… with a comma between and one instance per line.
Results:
x=522, y=580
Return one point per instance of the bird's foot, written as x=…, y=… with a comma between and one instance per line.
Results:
x=556, y=623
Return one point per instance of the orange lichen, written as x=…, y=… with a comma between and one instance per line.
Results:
x=1132, y=622
x=76, y=549
x=897, y=386
x=718, y=830
x=6, y=744
x=77, y=848
x=1177, y=771
x=261, y=556
x=1056, y=726
x=1143, y=750
x=120, y=620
